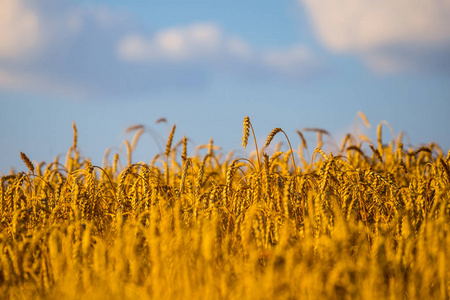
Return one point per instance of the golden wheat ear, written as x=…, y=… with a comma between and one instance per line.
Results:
x=271, y=136
x=303, y=139
x=364, y=119
x=169, y=141
x=245, y=132
x=75, y=136
x=27, y=161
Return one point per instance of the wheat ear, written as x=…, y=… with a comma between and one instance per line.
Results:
x=377, y=154
x=245, y=132
x=379, y=138
x=27, y=161
x=75, y=136
x=169, y=141
x=184, y=152
x=364, y=119
x=446, y=168
x=303, y=139
x=271, y=136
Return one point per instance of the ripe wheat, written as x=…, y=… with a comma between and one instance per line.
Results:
x=345, y=225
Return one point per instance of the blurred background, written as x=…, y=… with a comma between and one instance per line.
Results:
x=205, y=65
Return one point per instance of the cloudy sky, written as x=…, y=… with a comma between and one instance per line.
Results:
x=205, y=65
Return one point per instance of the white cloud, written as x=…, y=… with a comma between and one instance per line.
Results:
x=20, y=29
x=66, y=48
x=390, y=35
x=296, y=61
x=207, y=43
x=204, y=41
x=238, y=47
x=176, y=44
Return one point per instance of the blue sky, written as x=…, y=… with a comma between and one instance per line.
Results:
x=205, y=65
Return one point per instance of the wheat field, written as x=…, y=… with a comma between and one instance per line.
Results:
x=369, y=221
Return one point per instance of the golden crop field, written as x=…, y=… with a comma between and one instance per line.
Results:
x=370, y=221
